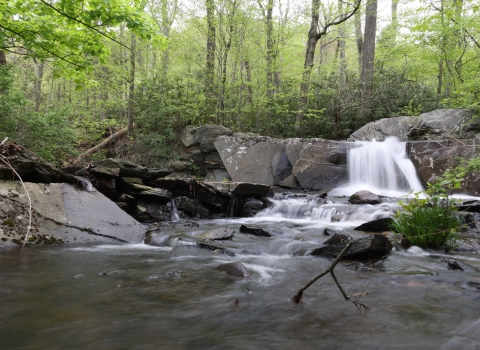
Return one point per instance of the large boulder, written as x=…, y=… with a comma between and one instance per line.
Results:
x=310, y=163
x=435, y=125
x=63, y=213
x=203, y=136
x=364, y=197
x=375, y=245
x=432, y=158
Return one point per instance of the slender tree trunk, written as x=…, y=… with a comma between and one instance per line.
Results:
x=394, y=20
x=342, y=63
x=3, y=58
x=270, y=50
x=248, y=79
x=38, y=83
x=210, y=62
x=440, y=77
x=359, y=38
x=368, y=57
x=131, y=87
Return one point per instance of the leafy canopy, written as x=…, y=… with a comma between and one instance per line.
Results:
x=75, y=33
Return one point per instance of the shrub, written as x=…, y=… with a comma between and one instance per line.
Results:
x=428, y=220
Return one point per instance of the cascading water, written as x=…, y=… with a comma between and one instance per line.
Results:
x=380, y=167
x=175, y=216
x=86, y=184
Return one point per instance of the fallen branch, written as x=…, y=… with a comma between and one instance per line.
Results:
x=297, y=298
x=7, y=163
x=102, y=144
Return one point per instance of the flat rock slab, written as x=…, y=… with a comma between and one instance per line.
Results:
x=64, y=213
x=257, y=231
x=378, y=225
x=374, y=246
x=217, y=234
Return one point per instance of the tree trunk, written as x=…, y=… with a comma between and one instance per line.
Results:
x=102, y=144
x=210, y=62
x=394, y=20
x=131, y=87
x=368, y=57
x=3, y=58
x=38, y=83
x=342, y=63
x=359, y=38
x=270, y=50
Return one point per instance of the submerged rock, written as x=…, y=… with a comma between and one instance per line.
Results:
x=251, y=207
x=378, y=225
x=217, y=234
x=234, y=269
x=374, y=246
x=364, y=197
x=257, y=231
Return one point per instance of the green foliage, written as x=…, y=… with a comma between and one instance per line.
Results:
x=428, y=222
x=91, y=130
x=49, y=134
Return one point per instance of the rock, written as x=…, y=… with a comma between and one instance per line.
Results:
x=432, y=158
x=473, y=286
x=214, y=159
x=183, y=248
x=457, y=265
x=187, y=137
x=435, y=125
x=192, y=207
x=471, y=245
x=146, y=192
x=217, y=234
x=207, y=134
x=251, y=207
x=197, y=157
x=123, y=205
x=103, y=171
x=173, y=185
x=127, y=169
x=236, y=269
x=107, y=186
x=364, y=197
x=255, y=231
x=378, y=225
x=64, y=214
x=314, y=163
x=338, y=238
x=373, y=246
x=290, y=182
x=328, y=232
x=151, y=211
x=132, y=180
x=243, y=188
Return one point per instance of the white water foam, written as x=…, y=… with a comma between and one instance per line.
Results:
x=380, y=167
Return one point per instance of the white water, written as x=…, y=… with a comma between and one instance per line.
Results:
x=86, y=184
x=175, y=216
x=380, y=167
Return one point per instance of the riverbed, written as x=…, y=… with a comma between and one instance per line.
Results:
x=137, y=296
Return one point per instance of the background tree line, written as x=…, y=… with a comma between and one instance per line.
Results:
x=71, y=72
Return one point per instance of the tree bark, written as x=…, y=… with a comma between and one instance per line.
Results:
x=210, y=62
x=270, y=50
x=342, y=63
x=3, y=58
x=102, y=144
x=394, y=20
x=38, y=83
x=359, y=38
x=131, y=87
x=368, y=59
x=314, y=34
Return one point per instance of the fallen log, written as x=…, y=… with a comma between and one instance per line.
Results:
x=101, y=145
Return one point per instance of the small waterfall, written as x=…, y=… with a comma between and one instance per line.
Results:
x=86, y=184
x=380, y=167
x=175, y=216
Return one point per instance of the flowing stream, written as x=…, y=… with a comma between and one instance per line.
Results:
x=136, y=296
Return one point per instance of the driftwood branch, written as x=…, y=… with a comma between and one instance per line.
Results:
x=297, y=298
x=102, y=144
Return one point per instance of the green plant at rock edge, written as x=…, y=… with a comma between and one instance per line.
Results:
x=428, y=220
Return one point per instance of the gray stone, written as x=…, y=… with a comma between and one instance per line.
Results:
x=65, y=214
x=207, y=134
x=217, y=234
x=377, y=225
x=147, y=192
x=290, y=182
x=338, y=238
x=187, y=137
x=373, y=246
x=364, y=197
x=236, y=269
x=128, y=169
x=214, y=159
x=192, y=207
x=251, y=207
x=257, y=231
x=435, y=125
x=243, y=188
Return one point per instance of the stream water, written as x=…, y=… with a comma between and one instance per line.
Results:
x=136, y=296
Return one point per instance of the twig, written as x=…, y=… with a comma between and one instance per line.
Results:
x=297, y=298
x=5, y=160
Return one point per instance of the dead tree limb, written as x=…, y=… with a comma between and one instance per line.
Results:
x=297, y=298
x=102, y=144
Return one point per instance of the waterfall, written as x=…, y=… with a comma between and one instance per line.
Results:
x=380, y=167
x=175, y=216
x=86, y=184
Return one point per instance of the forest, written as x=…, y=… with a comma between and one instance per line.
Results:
x=74, y=72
